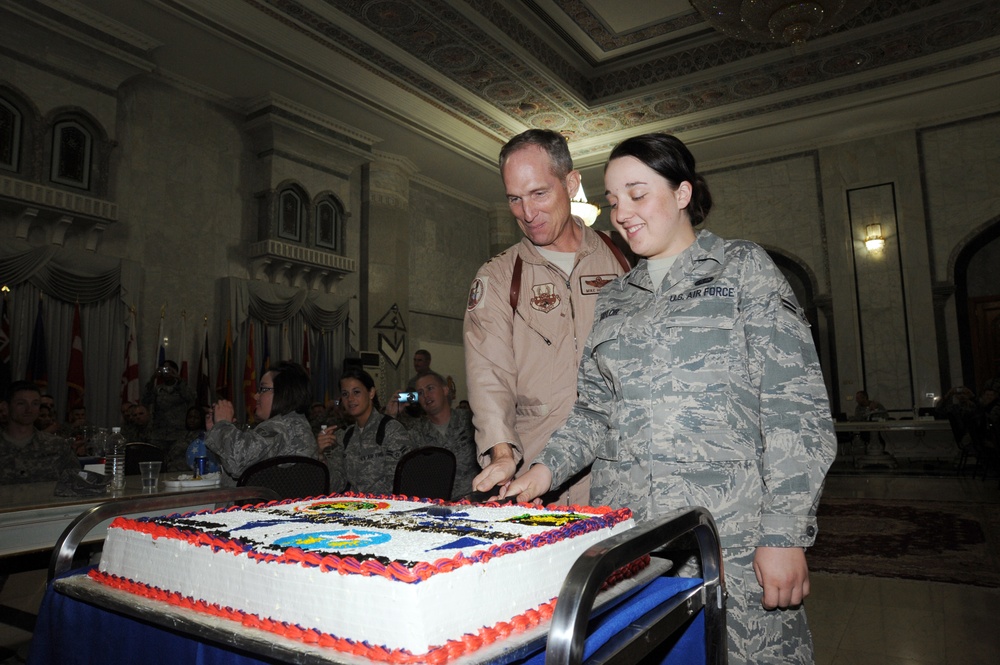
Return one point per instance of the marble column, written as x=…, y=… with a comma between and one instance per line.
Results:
x=384, y=268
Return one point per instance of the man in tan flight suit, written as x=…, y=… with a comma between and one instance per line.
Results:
x=530, y=311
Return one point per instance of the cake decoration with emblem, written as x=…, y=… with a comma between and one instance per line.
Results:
x=409, y=575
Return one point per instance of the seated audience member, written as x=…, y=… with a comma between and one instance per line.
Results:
x=138, y=427
x=464, y=404
x=958, y=406
x=444, y=427
x=126, y=413
x=984, y=416
x=76, y=428
x=867, y=408
x=282, y=404
x=194, y=427
x=48, y=401
x=27, y=455
x=363, y=456
x=46, y=421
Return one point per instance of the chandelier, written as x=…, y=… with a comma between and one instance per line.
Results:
x=781, y=21
x=583, y=209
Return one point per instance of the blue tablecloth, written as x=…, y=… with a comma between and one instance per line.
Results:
x=70, y=632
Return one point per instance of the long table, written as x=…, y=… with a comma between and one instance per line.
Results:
x=888, y=440
x=32, y=517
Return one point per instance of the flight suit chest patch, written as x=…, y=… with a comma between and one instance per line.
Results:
x=590, y=285
x=544, y=297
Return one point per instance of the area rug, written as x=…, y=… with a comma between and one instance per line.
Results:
x=922, y=540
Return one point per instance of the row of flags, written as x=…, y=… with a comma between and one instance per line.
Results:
x=37, y=369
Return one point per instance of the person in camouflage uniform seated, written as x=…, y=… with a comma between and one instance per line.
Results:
x=282, y=402
x=442, y=426
x=363, y=457
x=700, y=385
x=27, y=455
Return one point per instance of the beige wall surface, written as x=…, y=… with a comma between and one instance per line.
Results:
x=185, y=172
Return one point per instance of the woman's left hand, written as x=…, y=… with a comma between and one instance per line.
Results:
x=783, y=574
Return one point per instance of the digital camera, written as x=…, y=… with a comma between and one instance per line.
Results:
x=408, y=398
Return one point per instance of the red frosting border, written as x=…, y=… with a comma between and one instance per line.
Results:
x=436, y=656
x=603, y=518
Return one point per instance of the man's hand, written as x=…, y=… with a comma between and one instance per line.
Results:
x=530, y=485
x=499, y=471
x=783, y=574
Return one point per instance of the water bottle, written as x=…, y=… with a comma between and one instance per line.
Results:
x=114, y=460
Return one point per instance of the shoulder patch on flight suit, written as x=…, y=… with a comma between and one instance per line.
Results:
x=591, y=284
x=544, y=297
x=477, y=294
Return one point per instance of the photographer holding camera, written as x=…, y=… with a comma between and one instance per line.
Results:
x=169, y=398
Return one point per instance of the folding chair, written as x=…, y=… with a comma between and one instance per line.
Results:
x=290, y=476
x=427, y=472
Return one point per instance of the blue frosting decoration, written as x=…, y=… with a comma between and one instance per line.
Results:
x=464, y=541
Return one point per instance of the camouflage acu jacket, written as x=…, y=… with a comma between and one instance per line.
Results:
x=708, y=392
x=459, y=438
x=364, y=464
x=239, y=449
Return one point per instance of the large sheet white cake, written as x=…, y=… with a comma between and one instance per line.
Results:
x=361, y=571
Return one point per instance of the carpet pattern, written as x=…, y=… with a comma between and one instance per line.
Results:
x=922, y=540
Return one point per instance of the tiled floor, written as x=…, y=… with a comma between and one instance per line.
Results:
x=868, y=620
x=855, y=620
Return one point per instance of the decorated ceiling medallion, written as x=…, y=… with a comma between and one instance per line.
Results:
x=777, y=21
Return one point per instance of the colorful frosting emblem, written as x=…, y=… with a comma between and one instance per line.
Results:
x=342, y=506
x=549, y=520
x=343, y=539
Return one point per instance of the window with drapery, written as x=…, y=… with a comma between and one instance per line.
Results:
x=72, y=154
x=10, y=135
x=329, y=224
x=290, y=214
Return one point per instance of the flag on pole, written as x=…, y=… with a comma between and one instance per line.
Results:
x=286, y=343
x=75, y=381
x=223, y=387
x=305, y=349
x=4, y=342
x=204, y=382
x=184, y=343
x=250, y=376
x=161, y=349
x=130, y=377
x=322, y=372
x=265, y=364
x=38, y=370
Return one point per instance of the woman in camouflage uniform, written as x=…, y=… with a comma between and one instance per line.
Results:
x=282, y=402
x=700, y=385
x=363, y=457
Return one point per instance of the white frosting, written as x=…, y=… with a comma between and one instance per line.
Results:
x=398, y=615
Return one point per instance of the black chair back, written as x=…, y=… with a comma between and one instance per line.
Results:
x=140, y=452
x=427, y=473
x=290, y=476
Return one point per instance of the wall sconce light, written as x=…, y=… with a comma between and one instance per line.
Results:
x=874, y=241
x=579, y=206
